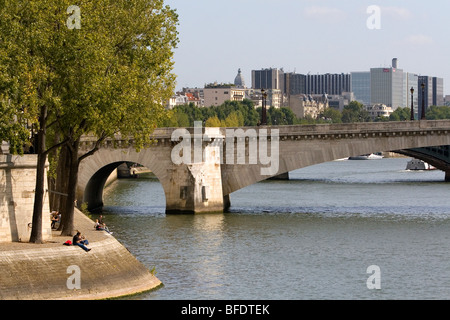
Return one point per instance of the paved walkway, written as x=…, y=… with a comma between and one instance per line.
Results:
x=39, y=271
x=81, y=222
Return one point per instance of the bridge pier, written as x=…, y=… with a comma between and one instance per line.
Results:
x=197, y=187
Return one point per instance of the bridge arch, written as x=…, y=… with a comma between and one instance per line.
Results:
x=95, y=170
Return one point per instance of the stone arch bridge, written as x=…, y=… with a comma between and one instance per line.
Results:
x=200, y=167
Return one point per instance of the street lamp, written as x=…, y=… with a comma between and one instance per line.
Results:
x=264, y=109
x=412, y=104
x=423, y=101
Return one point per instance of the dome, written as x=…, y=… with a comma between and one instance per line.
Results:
x=239, y=80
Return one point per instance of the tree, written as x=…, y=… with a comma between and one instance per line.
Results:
x=355, y=112
x=400, y=114
x=214, y=122
x=104, y=76
x=438, y=112
x=332, y=114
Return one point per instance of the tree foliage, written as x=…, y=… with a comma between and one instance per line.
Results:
x=438, y=112
x=107, y=76
x=400, y=114
x=355, y=112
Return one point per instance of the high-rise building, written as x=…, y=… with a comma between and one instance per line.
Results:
x=411, y=80
x=438, y=91
x=387, y=87
x=268, y=79
x=433, y=92
x=425, y=92
x=333, y=84
x=294, y=83
x=361, y=86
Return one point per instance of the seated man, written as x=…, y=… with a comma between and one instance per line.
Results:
x=80, y=241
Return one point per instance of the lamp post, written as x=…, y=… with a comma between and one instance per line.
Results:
x=264, y=109
x=423, y=101
x=412, y=104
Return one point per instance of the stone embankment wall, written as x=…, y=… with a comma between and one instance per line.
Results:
x=17, y=185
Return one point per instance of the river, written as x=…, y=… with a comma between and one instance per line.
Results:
x=312, y=237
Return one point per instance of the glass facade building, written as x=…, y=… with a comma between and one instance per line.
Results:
x=411, y=80
x=361, y=87
x=438, y=91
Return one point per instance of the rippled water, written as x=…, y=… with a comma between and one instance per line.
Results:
x=312, y=237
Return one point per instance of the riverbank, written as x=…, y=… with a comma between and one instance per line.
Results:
x=53, y=271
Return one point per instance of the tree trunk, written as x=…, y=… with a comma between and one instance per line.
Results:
x=36, y=229
x=62, y=178
x=52, y=180
x=67, y=222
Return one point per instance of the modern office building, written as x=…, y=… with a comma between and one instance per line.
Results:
x=411, y=81
x=268, y=79
x=387, y=87
x=333, y=84
x=425, y=92
x=294, y=83
x=438, y=91
x=432, y=93
x=361, y=86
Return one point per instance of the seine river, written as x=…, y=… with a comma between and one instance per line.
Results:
x=313, y=237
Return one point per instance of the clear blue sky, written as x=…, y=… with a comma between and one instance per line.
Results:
x=218, y=37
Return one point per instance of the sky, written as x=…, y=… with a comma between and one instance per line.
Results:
x=218, y=37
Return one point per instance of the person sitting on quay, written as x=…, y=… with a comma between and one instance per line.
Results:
x=80, y=241
x=101, y=226
x=56, y=217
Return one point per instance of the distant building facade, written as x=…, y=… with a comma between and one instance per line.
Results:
x=379, y=110
x=216, y=95
x=333, y=84
x=438, y=91
x=308, y=105
x=268, y=79
x=386, y=87
x=447, y=100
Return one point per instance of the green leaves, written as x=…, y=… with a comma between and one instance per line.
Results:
x=109, y=75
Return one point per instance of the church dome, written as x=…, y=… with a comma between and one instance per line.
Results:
x=239, y=80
